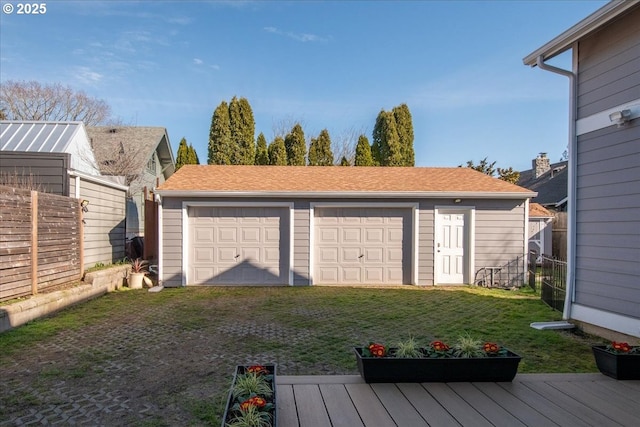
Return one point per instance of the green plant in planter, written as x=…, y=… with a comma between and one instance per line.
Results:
x=252, y=384
x=138, y=265
x=252, y=416
x=408, y=349
x=468, y=346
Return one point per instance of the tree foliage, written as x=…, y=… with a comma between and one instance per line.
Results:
x=182, y=158
x=277, y=152
x=488, y=168
x=22, y=100
x=363, y=152
x=262, y=153
x=404, y=126
x=344, y=161
x=296, y=146
x=320, y=153
x=220, y=149
x=242, y=128
x=193, y=156
x=386, y=149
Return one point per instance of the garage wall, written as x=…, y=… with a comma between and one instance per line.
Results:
x=499, y=234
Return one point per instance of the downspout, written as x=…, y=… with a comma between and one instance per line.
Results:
x=571, y=191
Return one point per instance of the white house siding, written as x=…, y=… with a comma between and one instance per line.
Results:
x=104, y=229
x=499, y=233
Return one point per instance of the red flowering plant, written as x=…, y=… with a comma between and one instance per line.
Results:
x=465, y=347
x=252, y=398
x=622, y=348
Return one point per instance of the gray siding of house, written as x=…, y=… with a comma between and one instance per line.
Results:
x=609, y=66
x=608, y=220
x=608, y=173
x=48, y=170
x=104, y=222
x=499, y=234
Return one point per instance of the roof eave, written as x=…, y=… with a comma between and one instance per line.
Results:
x=582, y=29
x=352, y=194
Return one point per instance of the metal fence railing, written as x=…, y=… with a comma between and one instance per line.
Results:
x=550, y=276
x=507, y=276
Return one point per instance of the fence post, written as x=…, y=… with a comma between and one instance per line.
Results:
x=34, y=242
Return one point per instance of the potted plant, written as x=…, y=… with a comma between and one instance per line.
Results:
x=468, y=360
x=618, y=360
x=252, y=398
x=138, y=271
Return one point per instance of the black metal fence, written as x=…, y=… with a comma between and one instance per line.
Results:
x=508, y=276
x=550, y=275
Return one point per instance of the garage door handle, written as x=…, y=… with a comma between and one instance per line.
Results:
x=237, y=256
x=361, y=256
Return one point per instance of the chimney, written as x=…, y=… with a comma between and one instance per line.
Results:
x=540, y=165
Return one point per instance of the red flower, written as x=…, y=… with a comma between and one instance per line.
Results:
x=439, y=346
x=491, y=347
x=622, y=347
x=377, y=350
x=257, y=369
x=256, y=401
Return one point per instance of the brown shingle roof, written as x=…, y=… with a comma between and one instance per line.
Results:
x=336, y=179
x=537, y=210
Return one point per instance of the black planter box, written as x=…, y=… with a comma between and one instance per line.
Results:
x=618, y=366
x=240, y=370
x=428, y=369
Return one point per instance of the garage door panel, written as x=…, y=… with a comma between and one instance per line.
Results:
x=244, y=242
x=373, y=245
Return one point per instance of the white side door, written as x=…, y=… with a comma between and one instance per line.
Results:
x=451, y=243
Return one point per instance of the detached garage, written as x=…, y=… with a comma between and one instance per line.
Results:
x=297, y=225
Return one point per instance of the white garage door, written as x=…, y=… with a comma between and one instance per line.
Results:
x=240, y=245
x=362, y=246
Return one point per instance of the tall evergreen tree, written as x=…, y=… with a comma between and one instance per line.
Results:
x=363, y=152
x=182, y=158
x=296, y=146
x=277, y=152
x=220, y=147
x=320, y=153
x=344, y=161
x=262, y=154
x=193, y=156
x=404, y=126
x=242, y=129
x=386, y=149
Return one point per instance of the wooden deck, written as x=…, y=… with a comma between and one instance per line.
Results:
x=530, y=400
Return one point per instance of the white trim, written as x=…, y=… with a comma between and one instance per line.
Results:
x=415, y=240
x=601, y=120
x=377, y=205
x=160, y=248
x=97, y=179
x=351, y=194
x=606, y=319
x=526, y=234
x=185, y=228
x=470, y=233
x=77, y=192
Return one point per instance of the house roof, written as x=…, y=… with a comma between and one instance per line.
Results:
x=145, y=140
x=551, y=186
x=37, y=136
x=327, y=181
x=582, y=29
x=536, y=210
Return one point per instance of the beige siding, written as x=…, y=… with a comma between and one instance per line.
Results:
x=171, y=242
x=426, y=235
x=47, y=170
x=609, y=66
x=104, y=237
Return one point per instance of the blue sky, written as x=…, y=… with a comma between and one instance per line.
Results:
x=334, y=65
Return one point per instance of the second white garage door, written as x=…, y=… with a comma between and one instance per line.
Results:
x=242, y=245
x=362, y=246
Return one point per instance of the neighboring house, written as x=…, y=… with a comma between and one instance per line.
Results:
x=142, y=154
x=603, y=284
x=540, y=230
x=303, y=225
x=57, y=157
x=549, y=180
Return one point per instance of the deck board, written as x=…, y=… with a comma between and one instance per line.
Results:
x=530, y=400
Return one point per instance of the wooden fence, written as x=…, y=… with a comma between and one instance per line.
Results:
x=40, y=242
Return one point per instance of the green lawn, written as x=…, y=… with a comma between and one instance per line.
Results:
x=181, y=345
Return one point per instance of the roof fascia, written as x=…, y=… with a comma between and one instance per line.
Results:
x=350, y=194
x=580, y=30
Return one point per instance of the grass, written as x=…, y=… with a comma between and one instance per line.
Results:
x=181, y=345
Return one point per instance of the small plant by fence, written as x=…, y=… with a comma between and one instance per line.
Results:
x=550, y=276
x=40, y=242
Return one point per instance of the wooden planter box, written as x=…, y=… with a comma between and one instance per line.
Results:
x=398, y=370
x=229, y=413
x=618, y=366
